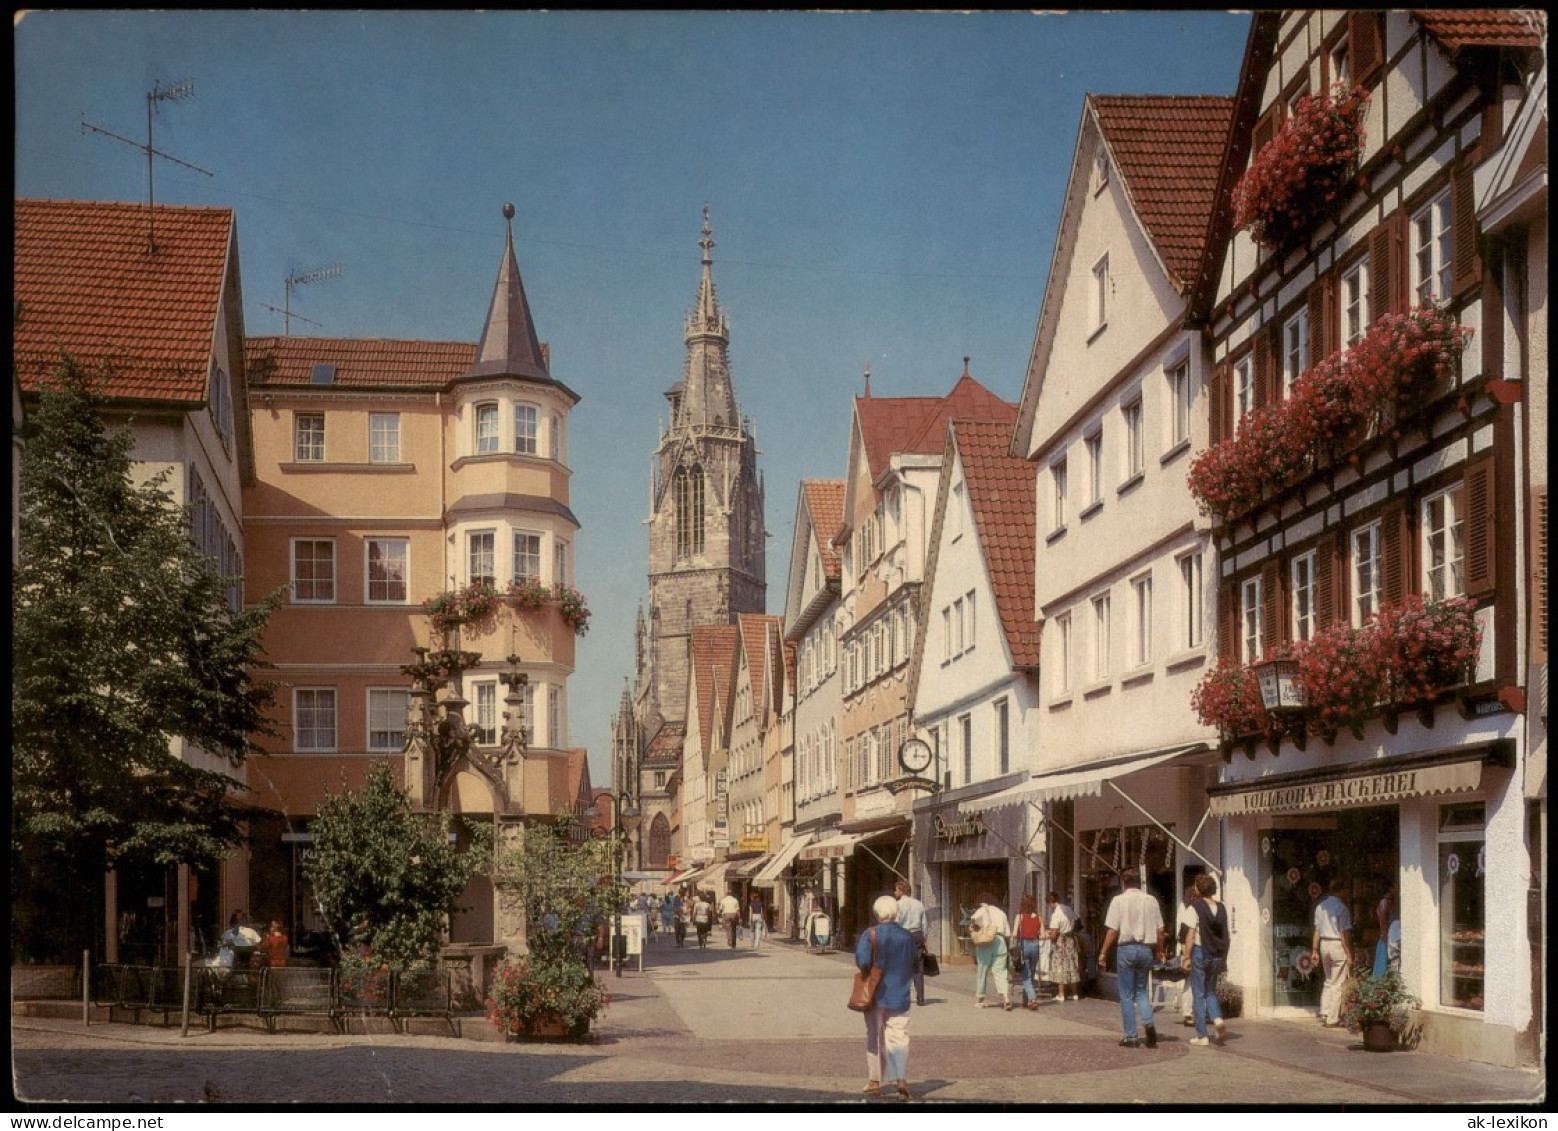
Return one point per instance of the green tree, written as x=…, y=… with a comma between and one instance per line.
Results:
x=381, y=871
x=123, y=644
x=566, y=886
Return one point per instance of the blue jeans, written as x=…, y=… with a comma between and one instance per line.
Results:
x=1203, y=989
x=1131, y=968
x=1030, y=966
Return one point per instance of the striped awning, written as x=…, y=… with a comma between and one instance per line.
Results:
x=768, y=875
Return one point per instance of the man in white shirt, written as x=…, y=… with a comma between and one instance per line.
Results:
x=730, y=916
x=911, y=917
x=1135, y=920
x=1187, y=918
x=1332, y=948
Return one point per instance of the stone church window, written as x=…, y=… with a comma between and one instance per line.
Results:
x=689, y=511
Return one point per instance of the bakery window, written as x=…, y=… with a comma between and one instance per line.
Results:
x=1462, y=907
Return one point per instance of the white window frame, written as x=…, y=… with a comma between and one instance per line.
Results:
x=1141, y=628
x=972, y=624
x=959, y=626
x=1301, y=596
x=1093, y=443
x=1295, y=350
x=1062, y=684
x=1355, y=303
x=1057, y=471
x=472, y=537
x=327, y=716
x=386, y=714
x=1243, y=389
x=966, y=732
x=1133, y=418
x=1368, y=585
x=1432, y=250
x=527, y=564
x=484, y=712
x=403, y=545
x=955, y=506
x=1192, y=600
x=527, y=428
x=946, y=633
x=1100, y=293
x=384, y=437
x=1001, y=739
x=560, y=561
x=1341, y=61
x=555, y=437
x=1100, y=604
x=1181, y=402
x=486, y=425
x=308, y=437
x=554, y=714
x=335, y=573
x=1251, y=620
x=1445, y=536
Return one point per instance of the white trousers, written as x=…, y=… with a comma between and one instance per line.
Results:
x=887, y=1045
x=1333, y=960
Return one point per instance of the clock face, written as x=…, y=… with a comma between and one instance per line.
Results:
x=915, y=755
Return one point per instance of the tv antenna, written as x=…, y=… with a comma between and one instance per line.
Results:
x=300, y=279
x=158, y=94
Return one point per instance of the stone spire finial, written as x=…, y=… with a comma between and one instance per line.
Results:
x=868, y=379
x=965, y=365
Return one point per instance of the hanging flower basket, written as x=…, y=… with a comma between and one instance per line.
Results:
x=477, y=602
x=1427, y=646
x=1303, y=173
x=471, y=604
x=1228, y=698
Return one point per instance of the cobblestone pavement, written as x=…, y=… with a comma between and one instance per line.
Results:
x=748, y=1027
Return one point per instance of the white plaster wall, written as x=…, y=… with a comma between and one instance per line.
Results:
x=814, y=710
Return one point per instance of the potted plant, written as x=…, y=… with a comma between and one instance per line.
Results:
x=1379, y=1007
x=545, y=995
x=1230, y=997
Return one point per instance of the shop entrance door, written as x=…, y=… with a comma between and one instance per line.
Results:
x=966, y=882
x=1300, y=857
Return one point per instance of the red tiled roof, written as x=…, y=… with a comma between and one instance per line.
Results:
x=887, y=424
x=578, y=774
x=85, y=281
x=359, y=362
x=968, y=400
x=1456, y=28
x=1169, y=151
x=825, y=503
x=713, y=649
x=1001, y=490
x=666, y=746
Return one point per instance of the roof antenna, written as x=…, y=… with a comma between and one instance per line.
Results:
x=965, y=365
x=296, y=280
x=178, y=92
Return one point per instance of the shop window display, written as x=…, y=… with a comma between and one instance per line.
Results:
x=1461, y=908
x=1107, y=853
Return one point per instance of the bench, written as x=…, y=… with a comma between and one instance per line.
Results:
x=296, y=991
x=362, y=993
x=234, y=991
x=422, y=993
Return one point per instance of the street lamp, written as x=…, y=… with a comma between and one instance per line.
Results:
x=624, y=819
x=1283, y=696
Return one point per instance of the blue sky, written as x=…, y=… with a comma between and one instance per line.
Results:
x=884, y=187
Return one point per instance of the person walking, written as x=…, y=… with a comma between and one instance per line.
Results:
x=1332, y=948
x=679, y=916
x=1384, y=915
x=668, y=913
x=1206, y=957
x=1027, y=931
x=730, y=916
x=988, y=930
x=702, y=919
x=1135, y=921
x=911, y=917
x=757, y=924
x=1185, y=923
x=889, y=947
x=1065, y=964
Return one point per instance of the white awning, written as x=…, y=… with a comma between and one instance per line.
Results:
x=834, y=847
x=712, y=877
x=768, y=875
x=1079, y=781
x=1377, y=781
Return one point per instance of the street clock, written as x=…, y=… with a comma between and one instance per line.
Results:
x=915, y=756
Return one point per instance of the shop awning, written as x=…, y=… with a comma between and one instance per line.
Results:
x=1079, y=781
x=1354, y=785
x=768, y=875
x=834, y=847
x=743, y=869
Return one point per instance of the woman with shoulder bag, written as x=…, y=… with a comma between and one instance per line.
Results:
x=988, y=929
x=1207, y=957
x=1027, y=933
x=890, y=950
x=1065, y=962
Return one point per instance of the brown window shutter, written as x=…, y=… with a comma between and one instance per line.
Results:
x=1321, y=339
x=1387, y=274
x=1265, y=357
x=1274, y=627
x=1365, y=47
x=1481, y=535
x=1395, y=535
x=1466, y=261
x=1326, y=578
x=1218, y=398
x=1227, y=623
x=1265, y=129
x=1539, y=576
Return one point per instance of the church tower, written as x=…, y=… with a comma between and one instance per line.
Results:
x=706, y=533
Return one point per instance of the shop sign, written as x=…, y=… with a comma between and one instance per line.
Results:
x=1347, y=792
x=954, y=831
x=752, y=844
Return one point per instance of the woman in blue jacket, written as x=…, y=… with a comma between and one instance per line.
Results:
x=890, y=947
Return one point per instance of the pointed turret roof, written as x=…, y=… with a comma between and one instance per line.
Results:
x=509, y=346
x=705, y=394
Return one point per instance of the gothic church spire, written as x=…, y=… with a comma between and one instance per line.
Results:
x=706, y=397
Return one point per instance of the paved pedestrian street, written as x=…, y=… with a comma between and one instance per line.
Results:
x=749, y=1027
